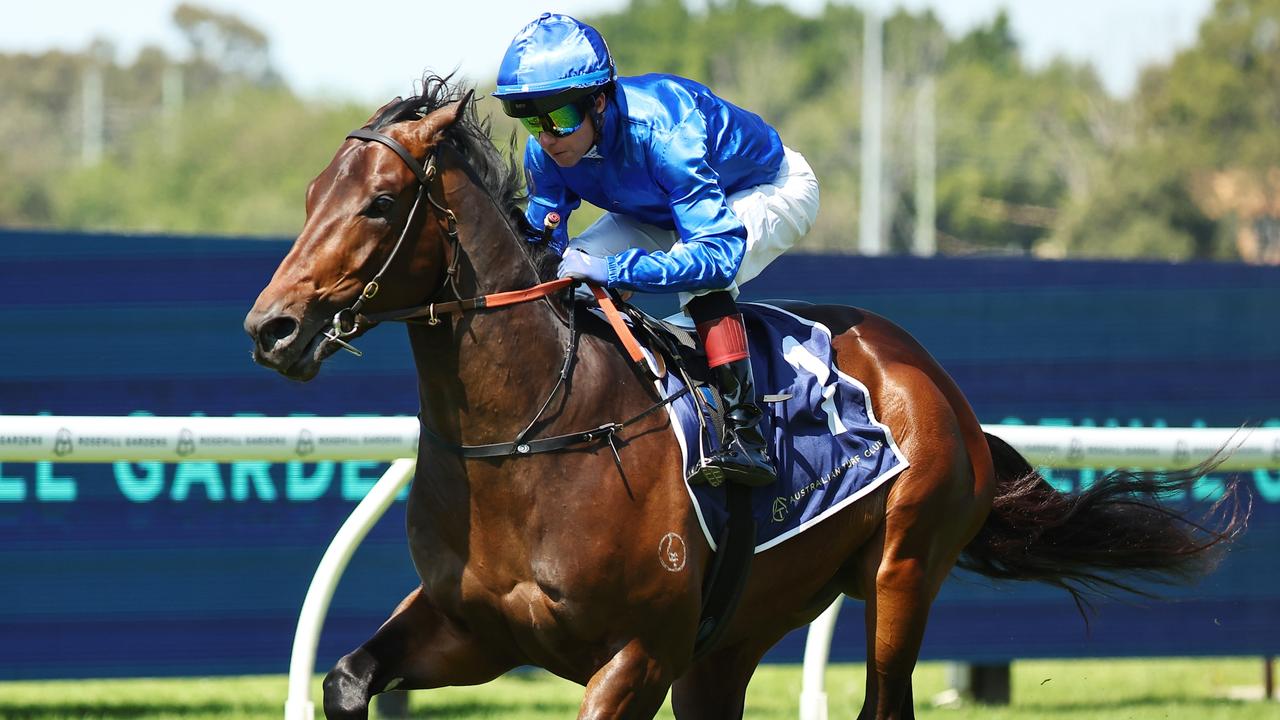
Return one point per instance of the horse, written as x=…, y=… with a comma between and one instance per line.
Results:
x=566, y=560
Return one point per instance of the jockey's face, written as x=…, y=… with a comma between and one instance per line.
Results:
x=568, y=150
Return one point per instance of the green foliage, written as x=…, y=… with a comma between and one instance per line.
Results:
x=36, y=135
x=1144, y=210
x=231, y=150
x=253, y=152
x=992, y=46
x=1213, y=110
x=1222, y=95
x=227, y=42
x=1010, y=141
x=1028, y=159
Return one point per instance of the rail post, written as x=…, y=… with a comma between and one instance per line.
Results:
x=298, y=705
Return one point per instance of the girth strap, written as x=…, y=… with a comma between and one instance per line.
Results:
x=550, y=444
x=724, y=584
x=528, y=447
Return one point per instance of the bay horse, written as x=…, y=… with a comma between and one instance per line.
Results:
x=553, y=559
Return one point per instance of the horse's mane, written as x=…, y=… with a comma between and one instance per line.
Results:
x=500, y=175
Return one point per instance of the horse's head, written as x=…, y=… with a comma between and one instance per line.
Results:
x=376, y=237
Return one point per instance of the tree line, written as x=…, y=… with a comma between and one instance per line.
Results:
x=1027, y=160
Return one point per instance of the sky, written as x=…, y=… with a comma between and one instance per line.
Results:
x=370, y=52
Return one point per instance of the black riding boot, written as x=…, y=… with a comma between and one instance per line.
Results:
x=742, y=457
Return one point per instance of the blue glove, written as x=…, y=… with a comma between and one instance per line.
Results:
x=577, y=264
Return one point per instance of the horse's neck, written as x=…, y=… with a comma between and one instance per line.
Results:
x=493, y=259
x=484, y=374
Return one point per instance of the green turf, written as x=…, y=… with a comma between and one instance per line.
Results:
x=1058, y=690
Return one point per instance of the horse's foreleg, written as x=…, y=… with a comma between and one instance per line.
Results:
x=631, y=685
x=417, y=647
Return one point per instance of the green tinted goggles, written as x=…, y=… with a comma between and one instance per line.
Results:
x=559, y=122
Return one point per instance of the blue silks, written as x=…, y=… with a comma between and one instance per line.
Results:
x=669, y=154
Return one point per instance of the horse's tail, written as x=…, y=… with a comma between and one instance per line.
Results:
x=1106, y=537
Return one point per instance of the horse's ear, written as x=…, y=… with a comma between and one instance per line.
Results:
x=427, y=130
x=464, y=102
x=381, y=110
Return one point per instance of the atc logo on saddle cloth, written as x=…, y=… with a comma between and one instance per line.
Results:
x=829, y=448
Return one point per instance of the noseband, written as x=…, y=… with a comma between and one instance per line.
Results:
x=346, y=322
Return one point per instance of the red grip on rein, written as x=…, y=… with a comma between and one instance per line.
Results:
x=725, y=340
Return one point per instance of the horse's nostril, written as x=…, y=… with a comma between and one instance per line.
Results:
x=276, y=331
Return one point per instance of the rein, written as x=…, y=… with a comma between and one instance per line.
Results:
x=348, y=322
x=433, y=311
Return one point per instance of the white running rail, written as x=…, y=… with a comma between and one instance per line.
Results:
x=137, y=438
x=83, y=439
x=71, y=439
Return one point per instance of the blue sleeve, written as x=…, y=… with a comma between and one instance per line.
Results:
x=547, y=192
x=713, y=240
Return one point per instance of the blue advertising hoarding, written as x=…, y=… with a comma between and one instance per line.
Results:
x=200, y=568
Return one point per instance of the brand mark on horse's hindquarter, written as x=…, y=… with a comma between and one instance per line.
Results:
x=671, y=552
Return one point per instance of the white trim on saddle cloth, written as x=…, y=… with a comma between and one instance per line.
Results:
x=834, y=450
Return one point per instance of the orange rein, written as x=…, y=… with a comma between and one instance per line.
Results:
x=433, y=311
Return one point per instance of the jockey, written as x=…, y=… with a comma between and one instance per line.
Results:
x=699, y=195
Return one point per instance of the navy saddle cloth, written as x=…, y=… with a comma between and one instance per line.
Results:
x=828, y=445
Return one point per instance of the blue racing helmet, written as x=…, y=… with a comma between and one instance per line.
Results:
x=553, y=62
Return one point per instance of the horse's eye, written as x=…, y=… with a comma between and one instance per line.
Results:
x=380, y=206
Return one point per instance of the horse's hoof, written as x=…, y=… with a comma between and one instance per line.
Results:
x=346, y=689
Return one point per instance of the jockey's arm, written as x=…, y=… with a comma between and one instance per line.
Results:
x=713, y=240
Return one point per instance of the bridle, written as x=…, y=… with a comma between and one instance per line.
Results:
x=346, y=322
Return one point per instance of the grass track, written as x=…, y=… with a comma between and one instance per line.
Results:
x=1056, y=690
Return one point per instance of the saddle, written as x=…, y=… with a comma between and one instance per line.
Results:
x=679, y=349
